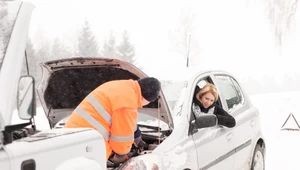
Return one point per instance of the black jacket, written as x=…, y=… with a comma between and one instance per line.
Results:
x=224, y=118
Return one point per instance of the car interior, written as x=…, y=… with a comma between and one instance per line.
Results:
x=198, y=87
x=195, y=102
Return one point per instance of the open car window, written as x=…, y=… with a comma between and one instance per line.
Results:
x=201, y=83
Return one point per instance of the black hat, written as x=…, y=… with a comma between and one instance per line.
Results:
x=150, y=88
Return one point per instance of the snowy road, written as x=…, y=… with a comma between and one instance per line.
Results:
x=283, y=147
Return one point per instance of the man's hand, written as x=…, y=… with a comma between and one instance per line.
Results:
x=117, y=159
x=141, y=146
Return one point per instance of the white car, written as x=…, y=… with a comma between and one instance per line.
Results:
x=176, y=140
x=22, y=146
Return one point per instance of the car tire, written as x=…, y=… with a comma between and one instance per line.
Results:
x=258, y=158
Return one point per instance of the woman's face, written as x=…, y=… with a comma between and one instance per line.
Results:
x=207, y=99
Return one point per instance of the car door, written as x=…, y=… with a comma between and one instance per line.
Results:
x=214, y=145
x=245, y=117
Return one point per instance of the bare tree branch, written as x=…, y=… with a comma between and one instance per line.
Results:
x=281, y=15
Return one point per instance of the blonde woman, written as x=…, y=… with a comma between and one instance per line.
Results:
x=205, y=103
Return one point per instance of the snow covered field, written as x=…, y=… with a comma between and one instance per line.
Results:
x=282, y=146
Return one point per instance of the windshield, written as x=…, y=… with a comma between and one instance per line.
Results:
x=8, y=14
x=174, y=93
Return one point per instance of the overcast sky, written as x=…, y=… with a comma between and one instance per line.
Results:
x=233, y=35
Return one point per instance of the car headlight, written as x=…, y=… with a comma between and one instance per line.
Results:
x=144, y=162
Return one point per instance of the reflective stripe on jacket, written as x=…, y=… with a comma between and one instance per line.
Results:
x=112, y=110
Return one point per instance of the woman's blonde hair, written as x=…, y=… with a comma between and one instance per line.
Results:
x=208, y=88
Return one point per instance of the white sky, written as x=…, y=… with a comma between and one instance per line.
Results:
x=233, y=35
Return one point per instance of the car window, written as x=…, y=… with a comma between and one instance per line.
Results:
x=230, y=90
x=8, y=14
x=239, y=91
x=173, y=92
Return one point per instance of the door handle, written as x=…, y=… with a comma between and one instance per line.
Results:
x=229, y=136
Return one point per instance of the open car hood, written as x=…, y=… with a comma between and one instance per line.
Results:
x=66, y=82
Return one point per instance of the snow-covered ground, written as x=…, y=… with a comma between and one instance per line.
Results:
x=282, y=146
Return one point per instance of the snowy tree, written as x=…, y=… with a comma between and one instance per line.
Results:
x=281, y=15
x=31, y=57
x=184, y=39
x=43, y=54
x=59, y=50
x=109, y=47
x=87, y=45
x=126, y=51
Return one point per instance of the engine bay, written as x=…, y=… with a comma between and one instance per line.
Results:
x=153, y=136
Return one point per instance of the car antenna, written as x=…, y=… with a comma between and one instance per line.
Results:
x=158, y=117
x=188, y=52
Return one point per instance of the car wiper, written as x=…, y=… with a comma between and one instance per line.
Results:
x=150, y=127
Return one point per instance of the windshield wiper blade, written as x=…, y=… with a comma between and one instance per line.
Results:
x=150, y=127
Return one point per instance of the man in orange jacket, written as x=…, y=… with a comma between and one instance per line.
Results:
x=111, y=109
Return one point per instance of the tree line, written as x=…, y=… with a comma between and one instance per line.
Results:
x=86, y=45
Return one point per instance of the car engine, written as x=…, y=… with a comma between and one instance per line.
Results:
x=152, y=136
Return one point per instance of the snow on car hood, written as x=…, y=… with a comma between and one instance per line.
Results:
x=66, y=82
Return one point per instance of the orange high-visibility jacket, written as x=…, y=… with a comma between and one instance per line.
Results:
x=114, y=107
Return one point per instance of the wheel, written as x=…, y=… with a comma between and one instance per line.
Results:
x=258, y=159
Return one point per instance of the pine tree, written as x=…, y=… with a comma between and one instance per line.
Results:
x=31, y=58
x=281, y=14
x=109, y=47
x=87, y=45
x=126, y=51
x=59, y=50
x=43, y=54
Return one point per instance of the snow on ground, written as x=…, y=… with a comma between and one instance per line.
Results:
x=282, y=146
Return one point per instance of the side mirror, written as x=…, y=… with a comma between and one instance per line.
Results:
x=26, y=97
x=205, y=121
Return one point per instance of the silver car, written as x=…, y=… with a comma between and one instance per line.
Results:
x=175, y=138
